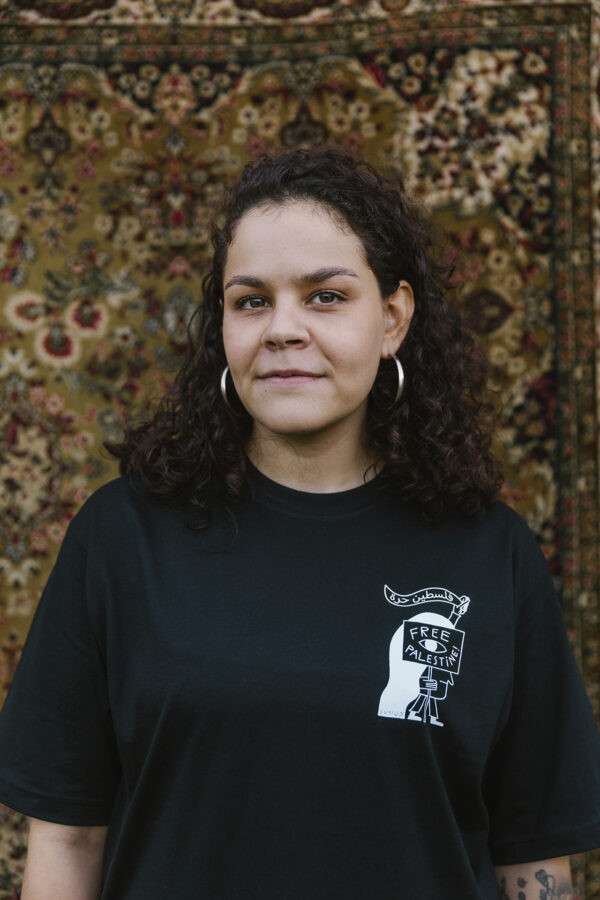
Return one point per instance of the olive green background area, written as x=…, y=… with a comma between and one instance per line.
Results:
x=120, y=124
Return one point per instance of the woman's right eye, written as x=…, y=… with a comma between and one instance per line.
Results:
x=250, y=303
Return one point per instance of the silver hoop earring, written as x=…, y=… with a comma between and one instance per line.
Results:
x=400, y=379
x=224, y=386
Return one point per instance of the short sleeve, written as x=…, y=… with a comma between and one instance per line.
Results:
x=543, y=778
x=58, y=757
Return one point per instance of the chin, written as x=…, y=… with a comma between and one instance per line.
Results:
x=291, y=427
x=303, y=420
x=290, y=418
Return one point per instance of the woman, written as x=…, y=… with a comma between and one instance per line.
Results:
x=300, y=652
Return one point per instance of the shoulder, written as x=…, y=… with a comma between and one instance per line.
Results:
x=116, y=495
x=503, y=519
x=533, y=584
x=501, y=523
x=522, y=539
x=115, y=509
x=498, y=523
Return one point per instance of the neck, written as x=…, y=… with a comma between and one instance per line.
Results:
x=319, y=465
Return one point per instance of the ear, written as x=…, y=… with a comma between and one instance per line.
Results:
x=398, y=311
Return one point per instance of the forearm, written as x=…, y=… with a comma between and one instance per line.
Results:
x=63, y=862
x=548, y=879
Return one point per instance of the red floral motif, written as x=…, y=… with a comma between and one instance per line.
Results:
x=174, y=97
x=56, y=346
x=88, y=318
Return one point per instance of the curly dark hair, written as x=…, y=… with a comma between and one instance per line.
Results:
x=433, y=447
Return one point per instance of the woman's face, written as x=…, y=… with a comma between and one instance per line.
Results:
x=304, y=323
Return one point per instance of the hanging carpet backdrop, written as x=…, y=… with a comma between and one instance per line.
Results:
x=120, y=123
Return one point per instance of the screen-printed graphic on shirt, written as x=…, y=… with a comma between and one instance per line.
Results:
x=425, y=654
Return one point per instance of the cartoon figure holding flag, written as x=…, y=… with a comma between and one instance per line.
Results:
x=425, y=654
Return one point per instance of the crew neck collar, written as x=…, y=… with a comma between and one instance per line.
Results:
x=336, y=503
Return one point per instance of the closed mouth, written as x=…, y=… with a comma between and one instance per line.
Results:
x=289, y=373
x=289, y=379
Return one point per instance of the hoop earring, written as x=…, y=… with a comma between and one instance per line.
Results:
x=400, y=379
x=224, y=386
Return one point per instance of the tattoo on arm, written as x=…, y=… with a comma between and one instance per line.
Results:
x=551, y=890
x=503, y=890
x=546, y=886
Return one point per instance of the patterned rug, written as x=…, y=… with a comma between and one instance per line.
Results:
x=120, y=123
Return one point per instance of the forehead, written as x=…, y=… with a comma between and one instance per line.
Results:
x=293, y=231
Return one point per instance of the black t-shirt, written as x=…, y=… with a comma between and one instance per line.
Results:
x=330, y=700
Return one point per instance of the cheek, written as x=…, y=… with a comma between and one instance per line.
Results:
x=368, y=373
x=228, y=332
x=363, y=352
x=236, y=345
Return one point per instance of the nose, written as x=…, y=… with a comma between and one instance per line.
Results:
x=286, y=326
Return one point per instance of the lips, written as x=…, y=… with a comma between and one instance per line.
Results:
x=289, y=373
x=288, y=377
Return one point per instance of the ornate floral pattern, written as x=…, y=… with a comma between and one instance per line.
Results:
x=115, y=143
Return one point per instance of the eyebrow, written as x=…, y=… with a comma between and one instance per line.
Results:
x=316, y=277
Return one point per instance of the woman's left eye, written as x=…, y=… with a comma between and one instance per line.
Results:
x=326, y=298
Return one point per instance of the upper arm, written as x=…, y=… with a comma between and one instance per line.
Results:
x=82, y=835
x=547, y=878
x=58, y=752
x=542, y=778
x=63, y=861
